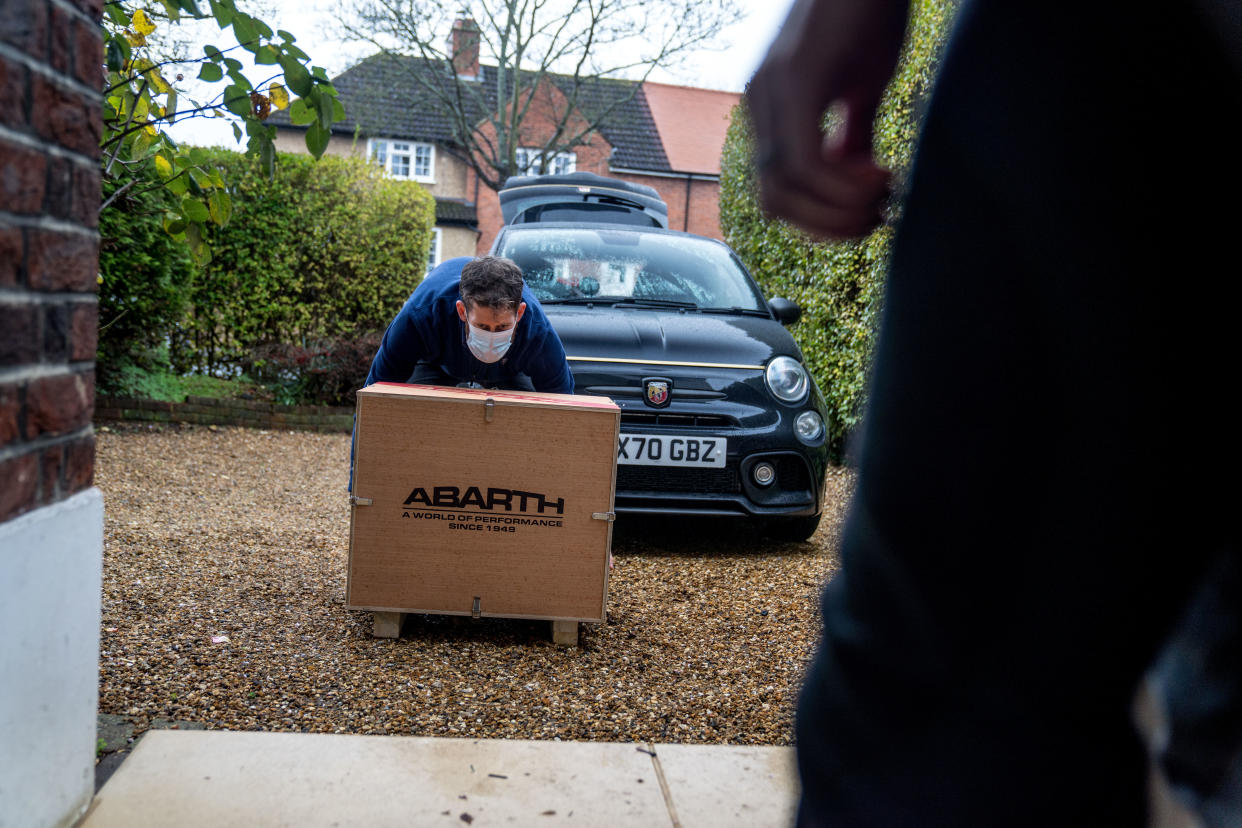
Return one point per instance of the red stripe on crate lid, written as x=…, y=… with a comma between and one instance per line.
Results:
x=563, y=399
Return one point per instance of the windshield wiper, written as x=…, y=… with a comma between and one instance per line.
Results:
x=583, y=300
x=737, y=310
x=656, y=303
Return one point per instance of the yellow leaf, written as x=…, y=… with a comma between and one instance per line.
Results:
x=142, y=23
x=279, y=95
x=135, y=39
x=161, y=164
x=157, y=81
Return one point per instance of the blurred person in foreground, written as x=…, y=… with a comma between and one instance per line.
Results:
x=1047, y=466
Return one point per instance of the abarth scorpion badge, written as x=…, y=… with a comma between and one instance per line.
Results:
x=657, y=391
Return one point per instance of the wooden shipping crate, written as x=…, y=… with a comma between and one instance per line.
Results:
x=482, y=503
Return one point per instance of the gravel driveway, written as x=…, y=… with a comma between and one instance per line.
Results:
x=223, y=603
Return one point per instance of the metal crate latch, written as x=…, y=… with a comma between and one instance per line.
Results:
x=477, y=609
x=489, y=407
x=360, y=501
x=608, y=516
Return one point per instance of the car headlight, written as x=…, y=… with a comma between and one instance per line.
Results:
x=809, y=427
x=787, y=379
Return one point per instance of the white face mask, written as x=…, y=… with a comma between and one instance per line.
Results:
x=488, y=346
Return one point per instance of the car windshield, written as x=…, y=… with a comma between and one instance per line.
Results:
x=601, y=265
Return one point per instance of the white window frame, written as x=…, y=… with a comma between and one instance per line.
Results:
x=527, y=160
x=436, y=255
x=400, y=157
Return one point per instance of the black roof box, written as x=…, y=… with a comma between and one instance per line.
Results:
x=581, y=196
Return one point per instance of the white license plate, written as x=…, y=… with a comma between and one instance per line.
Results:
x=671, y=450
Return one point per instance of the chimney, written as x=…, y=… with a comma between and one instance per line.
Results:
x=465, y=48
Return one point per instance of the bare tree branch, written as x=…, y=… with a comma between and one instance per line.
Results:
x=558, y=71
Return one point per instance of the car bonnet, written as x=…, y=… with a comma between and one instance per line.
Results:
x=605, y=333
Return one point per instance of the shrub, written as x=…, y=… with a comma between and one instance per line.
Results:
x=320, y=252
x=324, y=373
x=144, y=283
x=839, y=286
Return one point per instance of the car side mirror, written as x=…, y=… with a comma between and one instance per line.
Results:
x=785, y=311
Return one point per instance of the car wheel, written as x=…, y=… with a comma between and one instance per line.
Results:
x=792, y=529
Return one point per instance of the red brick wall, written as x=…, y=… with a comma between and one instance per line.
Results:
x=50, y=75
x=545, y=110
x=488, y=210
x=701, y=201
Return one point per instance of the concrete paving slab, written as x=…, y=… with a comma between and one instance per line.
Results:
x=108, y=764
x=717, y=786
x=219, y=779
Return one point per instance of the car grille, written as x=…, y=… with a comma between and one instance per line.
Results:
x=651, y=418
x=672, y=479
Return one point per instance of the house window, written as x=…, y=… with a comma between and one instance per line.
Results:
x=405, y=159
x=560, y=164
x=433, y=258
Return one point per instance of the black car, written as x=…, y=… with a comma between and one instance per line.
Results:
x=719, y=417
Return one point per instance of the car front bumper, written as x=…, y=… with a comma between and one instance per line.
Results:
x=738, y=410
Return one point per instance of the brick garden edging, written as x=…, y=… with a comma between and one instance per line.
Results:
x=211, y=411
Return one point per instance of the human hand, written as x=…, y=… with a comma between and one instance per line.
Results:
x=829, y=53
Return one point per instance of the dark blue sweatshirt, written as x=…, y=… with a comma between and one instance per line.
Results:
x=429, y=329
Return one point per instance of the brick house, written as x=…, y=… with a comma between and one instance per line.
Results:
x=667, y=137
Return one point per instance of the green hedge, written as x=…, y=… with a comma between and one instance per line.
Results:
x=144, y=281
x=839, y=286
x=323, y=250
x=318, y=255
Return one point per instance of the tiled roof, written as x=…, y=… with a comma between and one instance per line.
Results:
x=692, y=124
x=382, y=97
x=628, y=126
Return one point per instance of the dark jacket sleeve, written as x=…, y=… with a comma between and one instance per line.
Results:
x=547, y=367
x=407, y=341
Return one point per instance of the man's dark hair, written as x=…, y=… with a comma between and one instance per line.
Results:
x=492, y=282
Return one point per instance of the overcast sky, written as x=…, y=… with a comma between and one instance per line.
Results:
x=311, y=21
